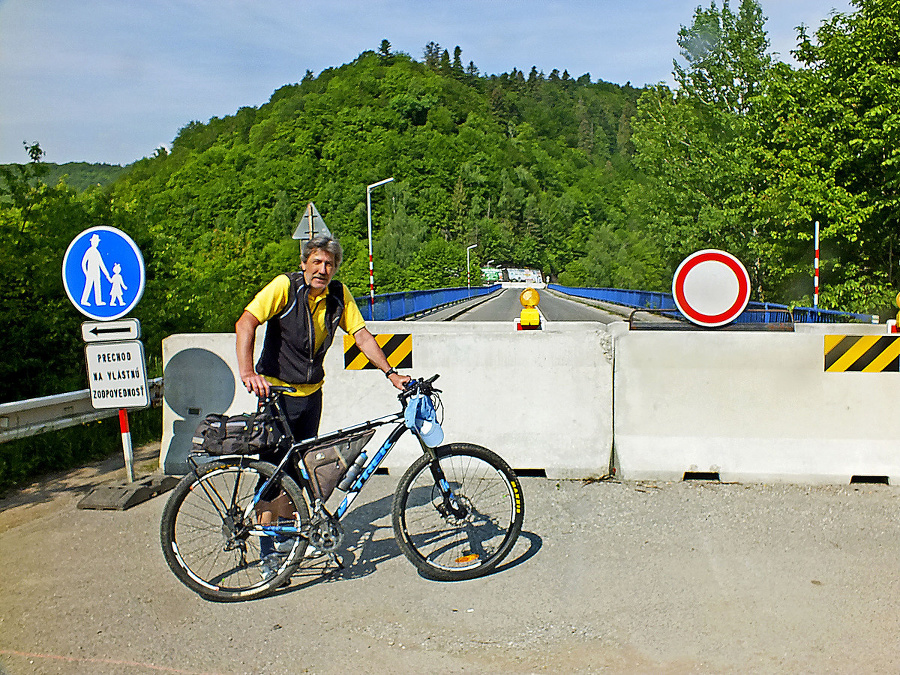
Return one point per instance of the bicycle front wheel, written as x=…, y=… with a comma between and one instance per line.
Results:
x=468, y=533
x=210, y=536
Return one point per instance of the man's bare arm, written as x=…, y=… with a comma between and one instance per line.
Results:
x=245, y=330
x=368, y=346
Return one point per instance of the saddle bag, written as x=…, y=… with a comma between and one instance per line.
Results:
x=326, y=464
x=247, y=434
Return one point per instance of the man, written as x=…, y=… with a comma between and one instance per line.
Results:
x=92, y=264
x=303, y=310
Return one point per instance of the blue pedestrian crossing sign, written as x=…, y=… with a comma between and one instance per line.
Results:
x=103, y=273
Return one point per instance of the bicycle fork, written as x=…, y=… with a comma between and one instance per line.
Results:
x=450, y=506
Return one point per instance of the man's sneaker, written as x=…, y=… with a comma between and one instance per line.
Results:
x=268, y=566
x=313, y=552
x=284, y=544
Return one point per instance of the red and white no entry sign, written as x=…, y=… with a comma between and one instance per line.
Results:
x=711, y=287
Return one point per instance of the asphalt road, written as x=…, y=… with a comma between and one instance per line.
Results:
x=505, y=306
x=608, y=577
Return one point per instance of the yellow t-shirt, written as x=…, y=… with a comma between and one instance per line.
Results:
x=272, y=299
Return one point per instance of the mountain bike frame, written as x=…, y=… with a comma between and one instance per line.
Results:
x=369, y=465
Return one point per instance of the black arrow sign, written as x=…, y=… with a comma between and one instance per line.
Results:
x=97, y=330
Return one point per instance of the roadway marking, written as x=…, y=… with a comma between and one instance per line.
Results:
x=862, y=353
x=113, y=662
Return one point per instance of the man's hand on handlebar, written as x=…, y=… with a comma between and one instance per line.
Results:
x=399, y=381
x=419, y=386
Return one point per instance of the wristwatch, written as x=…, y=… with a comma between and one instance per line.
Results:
x=390, y=371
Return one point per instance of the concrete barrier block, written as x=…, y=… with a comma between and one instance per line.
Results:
x=541, y=399
x=749, y=407
x=200, y=377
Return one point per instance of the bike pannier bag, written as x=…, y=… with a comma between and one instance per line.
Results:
x=326, y=464
x=248, y=434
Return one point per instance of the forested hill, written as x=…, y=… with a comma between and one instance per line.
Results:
x=521, y=165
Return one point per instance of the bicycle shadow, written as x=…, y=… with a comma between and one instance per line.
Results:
x=369, y=542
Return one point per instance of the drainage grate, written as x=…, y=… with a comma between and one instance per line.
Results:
x=701, y=475
x=876, y=480
x=530, y=473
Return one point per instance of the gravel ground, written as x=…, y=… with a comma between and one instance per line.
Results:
x=608, y=577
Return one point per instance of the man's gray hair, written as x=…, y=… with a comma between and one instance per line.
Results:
x=323, y=242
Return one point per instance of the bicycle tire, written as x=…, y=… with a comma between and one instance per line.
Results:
x=207, y=536
x=447, y=548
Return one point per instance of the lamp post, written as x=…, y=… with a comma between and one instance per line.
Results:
x=468, y=272
x=369, y=189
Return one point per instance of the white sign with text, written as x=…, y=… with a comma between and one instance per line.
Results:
x=117, y=374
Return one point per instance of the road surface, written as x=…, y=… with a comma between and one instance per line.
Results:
x=608, y=577
x=505, y=306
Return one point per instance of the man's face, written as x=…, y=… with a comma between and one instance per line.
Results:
x=318, y=270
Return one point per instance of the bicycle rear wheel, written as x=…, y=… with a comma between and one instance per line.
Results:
x=210, y=536
x=452, y=542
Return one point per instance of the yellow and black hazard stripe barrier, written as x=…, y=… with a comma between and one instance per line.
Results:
x=862, y=353
x=397, y=347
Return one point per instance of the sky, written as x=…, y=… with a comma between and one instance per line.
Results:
x=113, y=80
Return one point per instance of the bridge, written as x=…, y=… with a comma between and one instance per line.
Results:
x=590, y=395
x=759, y=577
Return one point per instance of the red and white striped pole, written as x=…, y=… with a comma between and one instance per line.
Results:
x=126, y=445
x=816, y=272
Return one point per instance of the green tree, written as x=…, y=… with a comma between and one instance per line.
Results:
x=831, y=139
x=694, y=144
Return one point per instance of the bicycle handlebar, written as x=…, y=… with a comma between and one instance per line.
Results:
x=415, y=386
x=418, y=386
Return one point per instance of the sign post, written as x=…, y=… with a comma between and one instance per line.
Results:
x=103, y=274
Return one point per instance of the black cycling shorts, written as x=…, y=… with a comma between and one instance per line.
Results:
x=304, y=414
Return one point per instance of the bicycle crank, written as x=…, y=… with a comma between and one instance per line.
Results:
x=326, y=535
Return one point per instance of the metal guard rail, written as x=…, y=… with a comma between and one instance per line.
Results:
x=665, y=301
x=20, y=419
x=393, y=306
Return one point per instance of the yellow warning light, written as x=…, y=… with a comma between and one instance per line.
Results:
x=530, y=298
x=529, y=318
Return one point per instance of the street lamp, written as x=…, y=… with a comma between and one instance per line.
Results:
x=468, y=272
x=369, y=189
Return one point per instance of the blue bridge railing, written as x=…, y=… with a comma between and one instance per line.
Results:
x=393, y=306
x=763, y=312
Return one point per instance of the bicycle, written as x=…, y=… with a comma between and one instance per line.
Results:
x=457, y=511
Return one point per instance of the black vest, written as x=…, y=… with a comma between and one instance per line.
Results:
x=288, y=350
